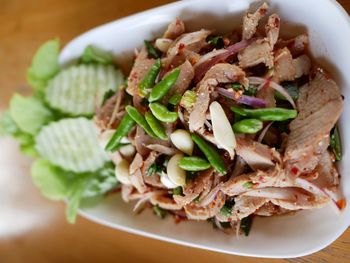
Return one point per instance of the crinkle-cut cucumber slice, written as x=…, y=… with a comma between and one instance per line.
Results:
x=72, y=144
x=77, y=90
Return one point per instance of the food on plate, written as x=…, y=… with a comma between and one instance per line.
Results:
x=205, y=127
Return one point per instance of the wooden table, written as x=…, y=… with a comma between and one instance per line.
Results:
x=39, y=232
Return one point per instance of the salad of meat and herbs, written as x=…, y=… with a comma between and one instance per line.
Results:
x=206, y=127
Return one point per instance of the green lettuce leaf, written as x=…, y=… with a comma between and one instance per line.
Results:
x=93, y=54
x=7, y=125
x=45, y=61
x=53, y=182
x=29, y=113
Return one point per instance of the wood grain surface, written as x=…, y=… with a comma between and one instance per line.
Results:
x=33, y=229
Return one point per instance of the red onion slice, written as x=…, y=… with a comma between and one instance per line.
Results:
x=211, y=196
x=274, y=85
x=243, y=99
x=264, y=131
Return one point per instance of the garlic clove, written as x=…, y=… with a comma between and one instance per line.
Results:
x=182, y=141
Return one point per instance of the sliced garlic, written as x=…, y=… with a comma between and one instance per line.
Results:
x=164, y=179
x=175, y=173
x=122, y=172
x=182, y=140
x=127, y=150
x=163, y=44
x=222, y=129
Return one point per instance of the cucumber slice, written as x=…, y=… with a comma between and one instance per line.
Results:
x=77, y=90
x=72, y=144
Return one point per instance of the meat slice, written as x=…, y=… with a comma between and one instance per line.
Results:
x=297, y=45
x=272, y=29
x=257, y=155
x=246, y=205
x=196, y=212
x=251, y=21
x=151, y=179
x=195, y=187
x=269, y=209
x=175, y=29
x=287, y=69
x=220, y=73
x=136, y=177
x=193, y=41
x=142, y=140
x=183, y=81
x=327, y=173
x=141, y=67
x=163, y=200
x=259, y=51
x=320, y=105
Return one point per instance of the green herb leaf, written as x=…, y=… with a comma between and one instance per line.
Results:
x=93, y=54
x=226, y=211
x=335, y=143
x=152, y=51
x=251, y=91
x=248, y=185
x=246, y=224
x=53, y=182
x=177, y=190
x=159, y=211
x=236, y=86
x=216, y=41
x=291, y=88
x=29, y=113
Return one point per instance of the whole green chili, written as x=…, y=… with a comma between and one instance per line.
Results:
x=156, y=126
x=267, y=114
x=194, y=164
x=140, y=120
x=249, y=126
x=211, y=154
x=147, y=83
x=162, y=113
x=163, y=86
x=125, y=126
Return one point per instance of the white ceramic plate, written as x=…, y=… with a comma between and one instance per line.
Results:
x=279, y=237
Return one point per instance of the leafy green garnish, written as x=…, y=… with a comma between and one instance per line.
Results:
x=291, y=88
x=154, y=169
x=29, y=113
x=216, y=41
x=7, y=125
x=251, y=91
x=236, y=86
x=44, y=65
x=58, y=184
x=335, y=143
x=108, y=94
x=159, y=211
x=177, y=190
x=246, y=224
x=152, y=51
x=248, y=185
x=93, y=54
x=226, y=211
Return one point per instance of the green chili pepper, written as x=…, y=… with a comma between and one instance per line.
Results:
x=125, y=126
x=246, y=224
x=211, y=154
x=156, y=126
x=175, y=99
x=140, y=120
x=147, y=83
x=267, y=114
x=163, y=86
x=162, y=113
x=335, y=143
x=249, y=126
x=151, y=50
x=194, y=164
